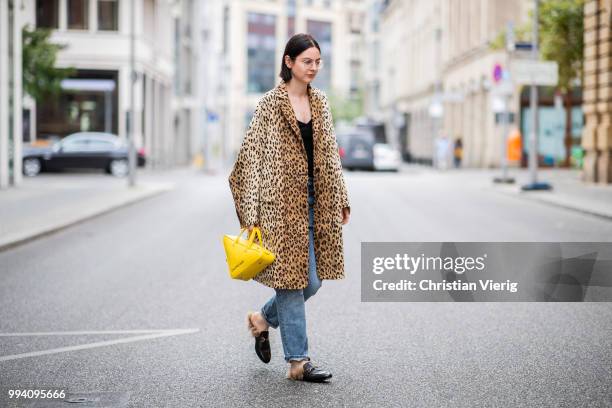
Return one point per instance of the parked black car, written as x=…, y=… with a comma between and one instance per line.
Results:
x=356, y=149
x=93, y=150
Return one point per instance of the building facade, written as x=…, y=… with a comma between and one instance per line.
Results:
x=97, y=97
x=597, y=134
x=437, y=75
x=468, y=75
x=96, y=35
x=253, y=36
x=410, y=74
x=201, y=67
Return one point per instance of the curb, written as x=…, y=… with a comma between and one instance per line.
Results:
x=94, y=214
x=582, y=210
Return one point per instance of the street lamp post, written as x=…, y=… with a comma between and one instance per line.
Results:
x=436, y=108
x=131, y=147
x=505, y=119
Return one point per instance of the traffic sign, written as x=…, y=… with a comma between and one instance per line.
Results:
x=523, y=46
x=503, y=88
x=497, y=73
x=527, y=72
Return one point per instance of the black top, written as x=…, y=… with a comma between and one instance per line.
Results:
x=306, y=131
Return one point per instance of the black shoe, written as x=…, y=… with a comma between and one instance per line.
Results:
x=262, y=347
x=315, y=374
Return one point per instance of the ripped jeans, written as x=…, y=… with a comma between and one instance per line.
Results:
x=286, y=308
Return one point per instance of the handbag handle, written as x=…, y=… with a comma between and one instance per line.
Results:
x=254, y=232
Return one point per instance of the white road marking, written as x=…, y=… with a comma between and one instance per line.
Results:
x=85, y=332
x=152, y=335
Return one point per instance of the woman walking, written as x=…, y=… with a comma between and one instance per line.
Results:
x=288, y=181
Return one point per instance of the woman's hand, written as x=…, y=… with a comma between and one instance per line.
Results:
x=346, y=213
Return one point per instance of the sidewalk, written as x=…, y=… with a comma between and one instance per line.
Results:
x=49, y=202
x=568, y=191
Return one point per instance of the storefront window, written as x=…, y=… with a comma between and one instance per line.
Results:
x=86, y=104
x=551, y=132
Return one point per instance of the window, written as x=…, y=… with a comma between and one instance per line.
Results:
x=290, y=26
x=290, y=17
x=92, y=104
x=78, y=14
x=355, y=22
x=47, y=12
x=98, y=145
x=375, y=56
x=108, y=15
x=75, y=145
x=354, y=79
x=261, y=44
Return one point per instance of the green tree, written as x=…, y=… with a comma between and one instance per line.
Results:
x=562, y=33
x=346, y=109
x=41, y=79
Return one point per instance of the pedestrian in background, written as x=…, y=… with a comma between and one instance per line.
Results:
x=442, y=152
x=458, y=152
x=288, y=181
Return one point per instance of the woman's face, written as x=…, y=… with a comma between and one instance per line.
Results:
x=306, y=65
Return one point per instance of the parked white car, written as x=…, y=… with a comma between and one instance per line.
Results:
x=386, y=157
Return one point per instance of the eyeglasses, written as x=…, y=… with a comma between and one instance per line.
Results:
x=308, y=63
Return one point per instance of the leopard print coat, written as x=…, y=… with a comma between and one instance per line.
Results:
x=269, y=184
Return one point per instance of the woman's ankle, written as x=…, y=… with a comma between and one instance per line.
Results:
x=262, y=321
x=296, y=369
x=298, y=363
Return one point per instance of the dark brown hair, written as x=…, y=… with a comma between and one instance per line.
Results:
x=295, y=46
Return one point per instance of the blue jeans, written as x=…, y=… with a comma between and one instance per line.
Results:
x=286, y=308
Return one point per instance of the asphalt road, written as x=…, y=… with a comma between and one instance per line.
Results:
x=139, y=306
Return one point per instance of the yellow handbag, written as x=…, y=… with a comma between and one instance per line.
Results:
x=245, y=258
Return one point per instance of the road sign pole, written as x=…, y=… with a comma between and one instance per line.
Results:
x=510, y=40
x=533, y=143
x=533, y=150
x=505, y=114
x=131, y=141
x=533, y=137
x=505, y=127
x=505, y=121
